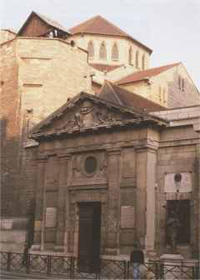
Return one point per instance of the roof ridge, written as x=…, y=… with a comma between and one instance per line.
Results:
x=115, y=26
x=94, y=26
x=46, y=20
x=163, y=68
x=142, y=97
x=49, y=20
x=110, y=85
x=127, y=98
x=84, y=22
x=89, y=21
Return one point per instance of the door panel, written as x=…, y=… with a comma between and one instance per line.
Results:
x=89, y=236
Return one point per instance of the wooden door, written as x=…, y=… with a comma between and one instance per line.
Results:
x=89, y=236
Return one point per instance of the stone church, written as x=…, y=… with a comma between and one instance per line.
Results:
x=95, y=141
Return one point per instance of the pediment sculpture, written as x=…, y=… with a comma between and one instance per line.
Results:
x=89, y=114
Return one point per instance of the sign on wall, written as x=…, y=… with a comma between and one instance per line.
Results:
x=127, y=217
x=51, y=213
x=181, y=182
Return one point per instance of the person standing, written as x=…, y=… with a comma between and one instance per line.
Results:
x=137, y=258
x=173, y=228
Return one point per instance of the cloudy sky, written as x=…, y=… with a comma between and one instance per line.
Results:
x=170, y=27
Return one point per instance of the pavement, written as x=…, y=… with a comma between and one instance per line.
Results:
x=20, y=275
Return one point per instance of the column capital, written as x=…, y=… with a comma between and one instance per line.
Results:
x=114, y=151
x=42, y=158
x=64, y=156
x=143, y=147
x=196, y=125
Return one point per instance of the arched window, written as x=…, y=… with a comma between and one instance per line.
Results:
x=115, y=52
x=164, y=96
x=160, y=94
x=183, y=85
x=179, y=82
x=102, y=51
x=143, y=62
x=91, y=50
x=137, y=59
x=130, y=56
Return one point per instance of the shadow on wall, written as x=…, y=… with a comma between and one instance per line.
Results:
x=15, y=195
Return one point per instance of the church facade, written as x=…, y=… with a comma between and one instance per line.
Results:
x=114, y=162
x=109, y=176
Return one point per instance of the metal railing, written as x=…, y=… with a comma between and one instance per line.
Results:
x=68, y=268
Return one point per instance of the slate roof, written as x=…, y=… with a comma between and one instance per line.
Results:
x=145, y=74
x=123, y=97
x=100, y=25
x=46, y=20
x=104, y=67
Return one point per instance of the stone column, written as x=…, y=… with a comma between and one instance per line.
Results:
x=39, y=223
x=145, y=203
x=113, y=218
x=62, y=194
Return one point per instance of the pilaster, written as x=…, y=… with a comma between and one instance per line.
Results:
x=39, y=208
x=113, y=221
x=62, y=201
x=145, y=205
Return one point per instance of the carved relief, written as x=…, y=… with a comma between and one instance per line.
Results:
x=76, y=166
x=89, y=114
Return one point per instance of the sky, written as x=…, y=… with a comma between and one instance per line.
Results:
x=170, y=27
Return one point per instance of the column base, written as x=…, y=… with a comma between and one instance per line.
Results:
x=58, y=248
x=112, y=251
x=35, y=248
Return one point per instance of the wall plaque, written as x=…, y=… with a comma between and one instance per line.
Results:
x=127, y=217
x=182, y=185
x=51, y=213
x=7, y=224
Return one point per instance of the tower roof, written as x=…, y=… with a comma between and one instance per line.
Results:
x=99, y=25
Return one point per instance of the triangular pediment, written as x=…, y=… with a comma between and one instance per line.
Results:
x=85, y=113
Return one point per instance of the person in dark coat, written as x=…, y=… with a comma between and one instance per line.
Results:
x=137, y=258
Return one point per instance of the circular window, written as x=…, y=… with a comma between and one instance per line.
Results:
x=90, y=165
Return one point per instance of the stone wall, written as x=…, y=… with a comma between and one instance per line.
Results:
x=178, y=154
x=10, y=128
x=164, y=88
x=123, y=45
x=37, y=76
x=50, y=72
x=130, y=182
x=6, y=35
x=120, y=184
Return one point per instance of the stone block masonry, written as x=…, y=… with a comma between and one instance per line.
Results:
x=38, y=75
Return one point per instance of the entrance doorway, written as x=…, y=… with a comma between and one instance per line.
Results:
x=89, y=236
x=182, y=210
